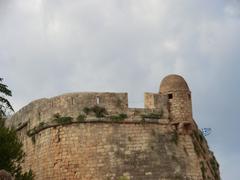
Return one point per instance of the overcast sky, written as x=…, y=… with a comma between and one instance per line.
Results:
x=50, y=47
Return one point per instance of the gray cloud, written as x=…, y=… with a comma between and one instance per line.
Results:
x=51, y=47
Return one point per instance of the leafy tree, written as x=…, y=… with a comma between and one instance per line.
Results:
x=4, y=103
x=11, y=153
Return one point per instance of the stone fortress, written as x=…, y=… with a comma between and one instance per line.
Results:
x=96, y=136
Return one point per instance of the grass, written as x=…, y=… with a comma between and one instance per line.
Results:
x=123, y=178
x=152, y=116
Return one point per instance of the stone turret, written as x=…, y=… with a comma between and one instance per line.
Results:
x=175, y=88
x=179, y=97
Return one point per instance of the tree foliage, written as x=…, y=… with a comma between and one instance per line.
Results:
x=11, y=153
x=4, y=103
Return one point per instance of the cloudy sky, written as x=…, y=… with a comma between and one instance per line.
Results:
x=52, y=47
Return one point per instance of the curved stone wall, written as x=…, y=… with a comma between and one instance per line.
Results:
x=103, y=151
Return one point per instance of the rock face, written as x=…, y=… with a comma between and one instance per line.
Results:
x=95, y=136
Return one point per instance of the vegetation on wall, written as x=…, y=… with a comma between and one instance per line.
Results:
x=198, y=140
x=196, y=148
x=203, y=170
x=123, y=178
x=152, y=116
x=57, y=120
x=62, y=119
x=119, y=117
x=215, y=167
x=174, y=137
x=97, y=110
x=81, y=117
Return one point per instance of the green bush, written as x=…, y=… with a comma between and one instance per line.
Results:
x=41, y=124
x=86, y=110
x=62, y=120
x=97, y=110
x=119, y=117
x=56, y=116
x=81, y=118
x=12, y=154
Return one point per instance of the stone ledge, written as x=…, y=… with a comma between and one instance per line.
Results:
x=47, y=125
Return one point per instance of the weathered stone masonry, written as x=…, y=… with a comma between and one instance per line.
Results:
x=95, y=136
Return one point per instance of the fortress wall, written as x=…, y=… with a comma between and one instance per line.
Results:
x=72, y=104
x=160, y=141
x=100, y=151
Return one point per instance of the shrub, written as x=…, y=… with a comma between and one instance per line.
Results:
x=41, y=124
x=99, y=111
x=81, y=118
x=119, y=117
x=62, y=120
x=86, y=110
x=12, y=154
x=123, y=116
x=56, y=116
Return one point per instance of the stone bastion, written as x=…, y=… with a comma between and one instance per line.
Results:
x=96, y=136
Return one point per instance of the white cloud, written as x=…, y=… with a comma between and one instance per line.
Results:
x=171, y=45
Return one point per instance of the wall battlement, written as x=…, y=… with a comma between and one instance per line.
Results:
x=72, y=104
